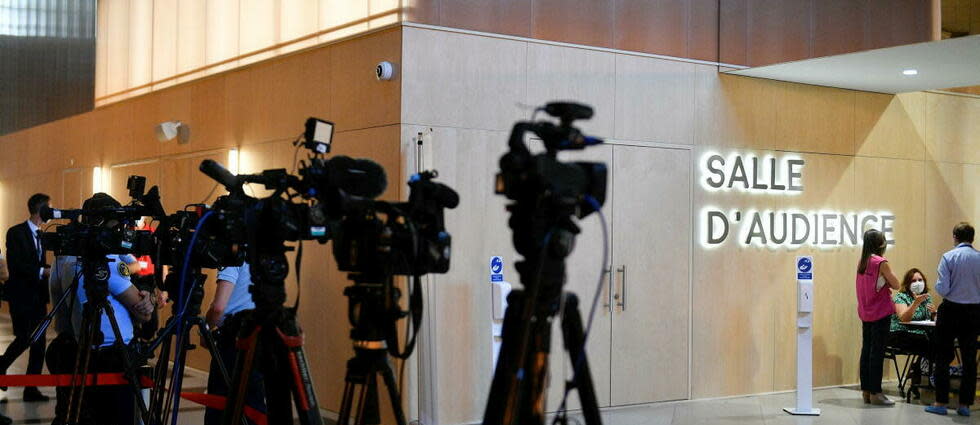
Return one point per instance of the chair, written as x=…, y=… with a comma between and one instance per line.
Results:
x=902, y=372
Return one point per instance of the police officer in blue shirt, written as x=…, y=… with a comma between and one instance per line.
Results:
x=231, y=297
x=114, y=404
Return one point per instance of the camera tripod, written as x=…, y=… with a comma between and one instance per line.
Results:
x=547, y=193
x=163, y=401
x=271, y=333
x=371, y=301
x=517, y=392
x=96, y=271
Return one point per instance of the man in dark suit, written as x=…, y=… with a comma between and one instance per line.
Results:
x=26, y=291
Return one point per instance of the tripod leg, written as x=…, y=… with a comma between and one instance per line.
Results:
x=345, y=404
x=393, y=396
x=504, y=389
x=302, y=384
x=277, y=379
x=571, y=325
x=129, y=369
x=246, y=345
x=83, y=359
x=371, y=414
x=362, y=400
x=159, y=391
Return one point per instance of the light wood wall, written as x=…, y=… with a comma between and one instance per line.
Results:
x=916, y=154
x=146, y=45
x=259, y=110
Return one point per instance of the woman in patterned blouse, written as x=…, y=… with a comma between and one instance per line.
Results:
x=912, y=302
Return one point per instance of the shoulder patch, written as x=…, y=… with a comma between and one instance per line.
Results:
x=124, y=269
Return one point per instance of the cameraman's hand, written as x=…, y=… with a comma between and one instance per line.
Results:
x=145, y=305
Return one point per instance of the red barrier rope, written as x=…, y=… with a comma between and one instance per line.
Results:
x=65, y=380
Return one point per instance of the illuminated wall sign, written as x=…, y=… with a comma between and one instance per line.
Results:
x=790, y=228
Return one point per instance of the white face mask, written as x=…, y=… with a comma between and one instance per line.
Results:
x=917, y=287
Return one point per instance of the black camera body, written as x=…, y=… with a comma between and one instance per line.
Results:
x=218, y=243
x=79, y=239
x=104, y=231
x=526, y=177
x=408, y=237
x=544, y=187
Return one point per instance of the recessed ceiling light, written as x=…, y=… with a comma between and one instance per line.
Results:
x=910, y=72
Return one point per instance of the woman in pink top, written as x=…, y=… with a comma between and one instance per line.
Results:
x=874, y=278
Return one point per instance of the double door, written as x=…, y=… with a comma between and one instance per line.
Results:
x=639, y=343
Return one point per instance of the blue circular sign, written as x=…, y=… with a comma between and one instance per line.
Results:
x=496, y=264
x=804, y=264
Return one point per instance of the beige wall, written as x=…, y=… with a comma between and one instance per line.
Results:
x=915, y=155
x=259, y=110
x=146, y=45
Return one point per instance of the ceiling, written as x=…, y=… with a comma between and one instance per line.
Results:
x=953, y=62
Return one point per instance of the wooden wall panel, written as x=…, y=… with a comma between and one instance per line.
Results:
x=589, y=22
x=790, y=19
x=742, y=32
x=954, y=128
x=668, y=119
x=589, y=77
x=897, y=22
x=952, y=196
x=659, y=26
x=837, y=26
x=512, y=17
x=466, y=160
x=259, y=110
x=353, y=86
x=490, y=72
x=890, y=126
x=742, y=302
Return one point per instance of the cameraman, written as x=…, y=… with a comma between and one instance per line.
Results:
x=114, y=404
x=231, y=297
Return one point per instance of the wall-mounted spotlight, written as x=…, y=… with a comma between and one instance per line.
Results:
x=169, y=130
x=233, y=156
x=97, y=180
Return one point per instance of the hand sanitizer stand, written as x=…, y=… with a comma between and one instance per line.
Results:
x=804, y=339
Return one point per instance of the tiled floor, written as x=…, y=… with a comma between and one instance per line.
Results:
x=839, y=406
x=12, y=405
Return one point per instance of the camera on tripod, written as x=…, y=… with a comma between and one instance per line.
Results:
x=546, y=194
x=543, y=178
x=410, y=237
x=105, y=230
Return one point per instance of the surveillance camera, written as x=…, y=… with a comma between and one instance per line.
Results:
x=384, y=71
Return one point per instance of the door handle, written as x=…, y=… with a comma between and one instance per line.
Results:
x=608, y=288
x=621, y=298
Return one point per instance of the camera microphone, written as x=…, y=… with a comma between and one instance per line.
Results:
x=220, y=174
x=358, y=177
